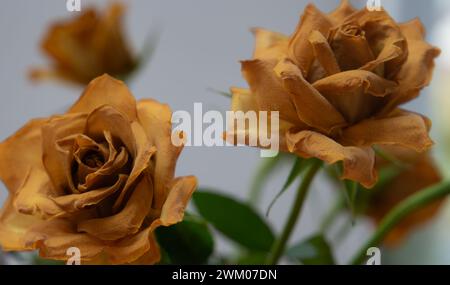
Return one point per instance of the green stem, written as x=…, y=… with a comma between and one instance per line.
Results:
x=280, y=244
x=397, y=214
x=264, y=170
x=332, y=214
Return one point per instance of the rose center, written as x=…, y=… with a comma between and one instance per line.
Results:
x=93, y=159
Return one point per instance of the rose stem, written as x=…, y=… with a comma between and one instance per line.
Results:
x=402, y=210
x=279, y=245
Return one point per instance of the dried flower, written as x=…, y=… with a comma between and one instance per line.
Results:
x=100, y=178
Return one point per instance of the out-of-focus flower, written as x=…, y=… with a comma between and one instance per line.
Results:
x=418, y=173
x=100, y=178
x=337, y=83
x=86, y=47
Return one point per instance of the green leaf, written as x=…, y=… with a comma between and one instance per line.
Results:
x=313, y=251
x=252, y=258
x=300, y=164
x=188, y=242
x=236, y=220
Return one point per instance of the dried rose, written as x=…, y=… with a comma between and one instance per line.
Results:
x=99, y=178
x=418, y=172
x=86, y=47
x=337, y=83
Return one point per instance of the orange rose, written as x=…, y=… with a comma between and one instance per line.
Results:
x=86, y=47
x=419, y=173
x=337, y=83
x=100, y=178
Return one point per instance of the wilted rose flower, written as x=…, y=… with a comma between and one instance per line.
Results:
x=418, y=172
x=337, y=83
x=86, y=47
x=100, y=178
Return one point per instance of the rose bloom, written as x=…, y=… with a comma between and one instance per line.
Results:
x=86, y=47
x=100, y=178
x=337, y=83
x=418, y=172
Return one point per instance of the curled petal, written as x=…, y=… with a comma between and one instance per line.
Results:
x=105, y=90
x=350, y=46
x=299, y=49
x=155, y=119
x=405, y=129
x=358, y=162
x=173, y=209
x=359, y=81
x=128, y=221
x=308, y=100
x=355, y=93
x=385, y=38
x=57, y=158
x=417, y=71
x=323, y=53
x=76, y=202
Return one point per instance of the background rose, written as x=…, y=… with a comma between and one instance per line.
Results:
x=416, y=172
x=337, y=83
x=87, y=46
x=100, y=178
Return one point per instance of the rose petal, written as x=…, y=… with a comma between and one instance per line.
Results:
x=173, y=209
x=339, y=15
x=150, y=257
x=299, y=50
x=22, y=151
x=54, y=237
x=308, y=101
x=268, y=90
x=358, y=162
x=76, y=202
x=269, y=45
x=128, y=221
x=323, y=53
x=405, y=129
x=417, y=71
x=156, y=122
x=350, y=46
x=57, y=158
x=244, y=101
x=105, y=90
x=354, y=93
x=13, y=227
x=385, y=38
x=135, y=249
x=33, y=197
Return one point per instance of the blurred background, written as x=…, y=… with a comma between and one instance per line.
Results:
x=201, y=43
